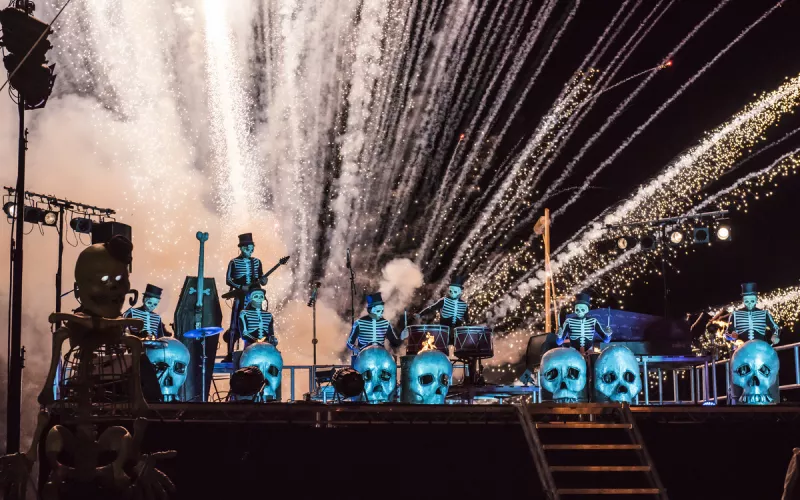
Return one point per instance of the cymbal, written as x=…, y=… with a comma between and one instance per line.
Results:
x=199, y=333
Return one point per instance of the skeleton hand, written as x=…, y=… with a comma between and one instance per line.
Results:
x=775, y=339
x=263, y=281
x=404, y=334
x=274, y=341
x=418, y=317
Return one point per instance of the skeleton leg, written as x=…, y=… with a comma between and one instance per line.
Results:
x=46, y=397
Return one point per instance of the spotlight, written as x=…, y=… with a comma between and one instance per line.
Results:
x=676, y=238
x=34, y=215
x=81, y=225
x=626, y=242
x=247, y=381
x=647, y=242
x=724, y=233
x=10, y=208
x=50, y=218
x=701, y=235
x=348, y=382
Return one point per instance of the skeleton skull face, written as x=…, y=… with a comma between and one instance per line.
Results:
x=171, y=364
x=247, y=250
x=616, y=375
x=379, y=370
x=269, y=361
x=256, y=299
x=150, y=303
x=563, y=373
x=377, y=311
x=455, y=291
x=750, y=301
x=755, y=368
x=429, y=373
x=581, y=310
x=101, y=282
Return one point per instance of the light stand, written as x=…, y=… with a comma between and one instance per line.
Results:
x=312, y=303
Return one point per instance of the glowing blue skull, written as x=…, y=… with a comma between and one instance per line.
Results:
x=754, y=372
x=171, y=364
x=430, y=373
x=616, y=375
x=268, y=359
x=379, y=370
x=563, y=373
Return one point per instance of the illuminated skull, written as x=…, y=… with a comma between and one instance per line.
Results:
x=429, y=375
x=755, y=368
x=379, y=370
x=454, y=291
x=269, y=360
x=581, y=310
x=563, y=373
x=749, y=301
x=171, y=363
x=377, y=311
x=616, y=375
x=101, y=277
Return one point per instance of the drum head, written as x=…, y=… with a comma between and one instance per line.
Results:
x=433, y=336
x=474, y=342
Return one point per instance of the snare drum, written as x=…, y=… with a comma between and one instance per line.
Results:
x=473, y=342
x=419, y=335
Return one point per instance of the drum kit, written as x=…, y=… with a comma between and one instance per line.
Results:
x=471, y=344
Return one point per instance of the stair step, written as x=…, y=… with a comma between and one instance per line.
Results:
x=609, y=491
x=592, y=447
x=582, y=425
x=600, y=468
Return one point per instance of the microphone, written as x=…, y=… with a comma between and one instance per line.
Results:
x=348, y=258
x=313, y=298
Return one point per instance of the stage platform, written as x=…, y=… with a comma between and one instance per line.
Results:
x=311, y=450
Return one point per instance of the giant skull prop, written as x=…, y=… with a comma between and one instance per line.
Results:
x=755, y=368
x=379, y=371
x=429, y=373
x=267, y=359
x=563, y=373
x=616, y=375
x=101, y=278
x=171, y=363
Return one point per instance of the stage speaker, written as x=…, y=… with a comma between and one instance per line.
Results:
x=102, y=232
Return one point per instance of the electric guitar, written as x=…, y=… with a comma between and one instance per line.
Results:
x=240, y=293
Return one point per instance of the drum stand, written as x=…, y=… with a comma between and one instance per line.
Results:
x=475, y=369
x=204, y=394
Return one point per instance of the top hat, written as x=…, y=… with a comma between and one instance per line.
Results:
x=152, y=291
x=583, y=298
x=373, y=300
x=246, y=239
x=749, y=289
x=458, y=281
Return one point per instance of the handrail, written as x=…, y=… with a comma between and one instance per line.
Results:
x=537, y=452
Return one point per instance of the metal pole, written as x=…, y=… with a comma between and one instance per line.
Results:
x=59, y=277
x=314, y=342
x=15, y=354
x=547, y=277
x=664, y=273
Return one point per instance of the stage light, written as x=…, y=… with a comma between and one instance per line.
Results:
x=676, y=238
x=247, y=381
x=50, y=218
x=324, y=374
x=626, y=243
x=81, y=225
x=34, y=215
x=724, y=233
x=701, y=235
x=647, y=242
x=10, y=208
x=348, y=382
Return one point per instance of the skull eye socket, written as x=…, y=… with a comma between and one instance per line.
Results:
x=367, y=375
x=551, y=374
x=179, y=367
x=765, y=370
x=161, y=367
x=104, y=279
x=385, y=376
x=273, y=370
x=445, y=380
x=573, y=373
x=118, y=278
x=628, y=377
x=743, y=370
x=609, y=377
x=426, y=379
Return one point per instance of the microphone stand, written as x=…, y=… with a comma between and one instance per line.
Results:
x=352, y=290
x=312, y=303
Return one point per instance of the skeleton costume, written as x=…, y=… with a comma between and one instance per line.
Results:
x=257, y=325
x=452, y=310
x=372, y=329
x=153, y=326
x=751, y=323
x=582, y=330
x=244, y=271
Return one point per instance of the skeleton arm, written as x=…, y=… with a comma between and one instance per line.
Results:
x=435, y=307
x=353, y=337
x=229, y=277
x=776, y=330
x=261, y=278
x=598, y=330
x=46, y=397
x=245, y=330
x=562, y=333
x=271, y=331
x=466, y=315
x=394, y=339
x=730, y=333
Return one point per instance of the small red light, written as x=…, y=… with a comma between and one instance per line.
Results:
x=461, y=137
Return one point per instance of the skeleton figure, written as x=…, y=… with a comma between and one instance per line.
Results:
x=170, y=363
x=372, y=329
x=581, y=330
x=244, y=272
x=563, y=374
x=379, y=371
x=616, y=375
x=754, y=373
x=267, y=359
x=153, y=326
x=452, y=310
x=751, y=323
x=430, y=374
x=257, y=325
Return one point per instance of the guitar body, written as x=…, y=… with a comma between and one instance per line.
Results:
x=241, y=293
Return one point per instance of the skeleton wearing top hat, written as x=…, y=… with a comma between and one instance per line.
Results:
x=372, y=329
x=153, y=326
x=581, y=330
x=244, y=273
x=751, y=323
x=256, y=323
x=452, y=310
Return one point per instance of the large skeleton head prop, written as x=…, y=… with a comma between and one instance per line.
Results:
x=754, y=372
x=269, y=360
x=171, y=364
x=379, y=371
x=563, y=373
x=101, y=277
x=429, y=373
x=616, y=375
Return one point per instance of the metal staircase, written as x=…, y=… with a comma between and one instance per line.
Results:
x=584, y=450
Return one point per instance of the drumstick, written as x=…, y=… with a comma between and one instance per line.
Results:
x=405, y=319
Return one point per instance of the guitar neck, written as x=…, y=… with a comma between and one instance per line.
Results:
x=274, y=268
